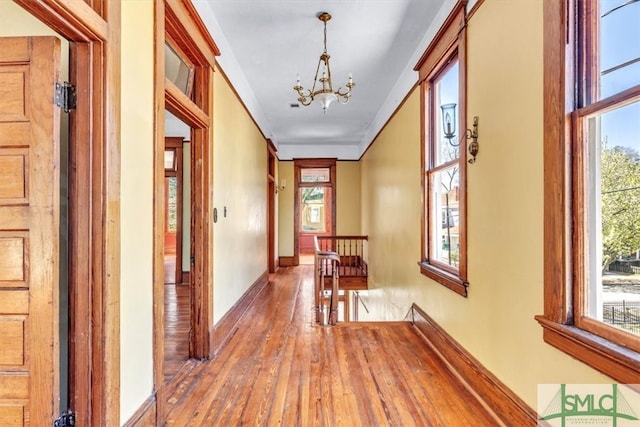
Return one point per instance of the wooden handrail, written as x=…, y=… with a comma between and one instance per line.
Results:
x=337, y=256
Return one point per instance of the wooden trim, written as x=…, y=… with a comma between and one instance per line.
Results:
x=107, y=357
x=618, y=362
x=180, y=105
x=94, y=202
x=449, y=45
x=286, y=261
x=176, y=143
x=299, y=164
x=474, y=9
x=186, y=277
x=564, y=273
x=500, y=401
x=145, y=415
x=158, y=209
x=189, y=32
x=397, y=110
x=449, y=280
x=271, y=208
x=240, y=100
x=444, y=38
x=175, y=19
x=557, y=241
x=74, y=19
x=226, y=327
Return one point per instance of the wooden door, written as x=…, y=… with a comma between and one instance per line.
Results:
x=29, y=215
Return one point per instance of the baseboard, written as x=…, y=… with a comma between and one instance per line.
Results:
x=145, y=416
x=286, y=261
x=186, y=277
x=227, y=326
x=498, y=398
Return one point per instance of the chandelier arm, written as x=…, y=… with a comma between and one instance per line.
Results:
x=346, y=93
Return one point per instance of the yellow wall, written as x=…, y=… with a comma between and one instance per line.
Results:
x=240, y=185
x=285, y=210
x=348, y=200
x=505, y=210
x=136, y=209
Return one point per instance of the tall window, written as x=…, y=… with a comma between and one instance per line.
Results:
x=592, y=293
x=441, y=71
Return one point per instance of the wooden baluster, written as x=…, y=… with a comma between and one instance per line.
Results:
x=351, y=257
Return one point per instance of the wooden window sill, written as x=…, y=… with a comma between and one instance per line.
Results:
x=445, y=278
x=620, y=363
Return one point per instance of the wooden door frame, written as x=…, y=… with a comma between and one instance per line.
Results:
x=93, y=30
x=176, y=143
x=178, y=21
x=272, y=258
x=299, y=164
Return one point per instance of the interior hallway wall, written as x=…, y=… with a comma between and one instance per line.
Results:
x=505, y=210
x=239, y=187
x=136, y=208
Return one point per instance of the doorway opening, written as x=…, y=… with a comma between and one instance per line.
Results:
x=185, y=58
x=315, y=207
x=177, y=245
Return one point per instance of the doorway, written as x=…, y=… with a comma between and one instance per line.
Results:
x=314, y=204
x=177, y=246
x=185, y=57
x=64, y=249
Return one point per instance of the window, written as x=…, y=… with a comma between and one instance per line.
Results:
x=178, y=70
x=592, y=151
x=442, y=82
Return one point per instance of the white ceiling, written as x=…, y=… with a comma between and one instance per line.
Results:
x=264, y=44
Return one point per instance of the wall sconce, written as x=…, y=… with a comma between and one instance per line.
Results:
x=449, y=128
x=282, y=186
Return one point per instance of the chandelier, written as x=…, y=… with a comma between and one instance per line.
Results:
x=325, y=93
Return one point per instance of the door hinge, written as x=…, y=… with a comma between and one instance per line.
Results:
x=65, y=96
x=67, y=419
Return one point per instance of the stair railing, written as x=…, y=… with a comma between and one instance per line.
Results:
x=326, y=263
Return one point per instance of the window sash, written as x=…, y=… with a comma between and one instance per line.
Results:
x=448, y=46
x=584, y=260
x=562, y=71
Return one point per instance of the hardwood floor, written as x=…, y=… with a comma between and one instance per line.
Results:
x=176, y=321
x=281, y=369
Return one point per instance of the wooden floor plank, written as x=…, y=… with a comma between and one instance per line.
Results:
x=280, y=368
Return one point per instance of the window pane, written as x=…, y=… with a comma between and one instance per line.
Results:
x=614, y=201
x=312, y=214
x=170, y=160
x=445, y=220
x=446, y=88
x=619, y=46
x=177, y=70
x=315, y=175
x=172, y=204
